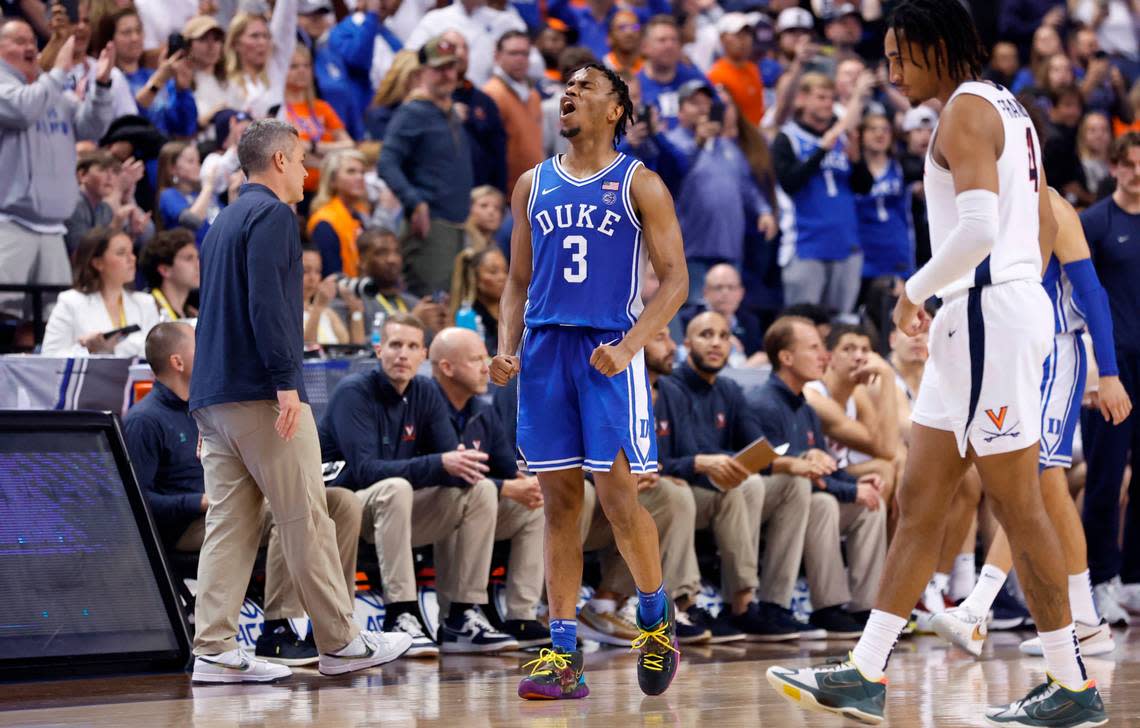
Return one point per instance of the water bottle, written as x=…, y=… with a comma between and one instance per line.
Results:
x=466, y=318
x=377, y=327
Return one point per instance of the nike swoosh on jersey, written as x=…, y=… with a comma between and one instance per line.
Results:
x=546, y=192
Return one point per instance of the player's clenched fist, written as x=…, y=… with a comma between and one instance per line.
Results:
x=611, y=359
x=503, y=369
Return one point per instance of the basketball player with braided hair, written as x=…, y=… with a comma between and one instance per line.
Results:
x=588, y=223
x=980, y=401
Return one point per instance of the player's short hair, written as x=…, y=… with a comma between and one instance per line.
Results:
x=370, y=237
x=161, y=251
x=98, y=158
x=942, y=29
x=162, y=341
x=1122, y=145
x=261, y=140
x=780, y=336
x=838, y=331
x=1069, y=90
x=405, y=319
x=509, y=35
x=662, y=19
x=622, y=90
x=812, y=81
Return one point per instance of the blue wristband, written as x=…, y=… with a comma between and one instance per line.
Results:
x=1091, y=299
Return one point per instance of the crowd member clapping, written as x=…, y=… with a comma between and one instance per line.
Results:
x=101, y=302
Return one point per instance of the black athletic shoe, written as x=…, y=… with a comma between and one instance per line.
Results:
x=764, y=623
x=283, y=646
x=720, y=626
x=836, y=621
x=657, y=664
x=529, y=633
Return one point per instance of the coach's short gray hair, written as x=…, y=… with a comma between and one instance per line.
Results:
x=261, y=140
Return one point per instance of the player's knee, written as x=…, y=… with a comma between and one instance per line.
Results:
x=345, y=508
x=397, y=495
x=823, y=510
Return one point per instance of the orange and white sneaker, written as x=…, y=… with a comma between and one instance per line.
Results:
x=959, y=626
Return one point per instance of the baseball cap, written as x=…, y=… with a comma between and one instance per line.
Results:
x=688, y=88
x=920, y=117
x=312, y=7
x=438, y=52
x=835, y=12
x=794, y=19
x=199, y=26
x=221, y=123
x=736, y=22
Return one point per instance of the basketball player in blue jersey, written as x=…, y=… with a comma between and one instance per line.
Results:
x=1078, y=298
x=587, y=224
x=980, y=399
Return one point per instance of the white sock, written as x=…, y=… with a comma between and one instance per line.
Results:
x=1063, y=657
x=1081, y=599
x=603, y=606
x=985, y=591
x=875, y=645
x=941, y=581
x=963, y=577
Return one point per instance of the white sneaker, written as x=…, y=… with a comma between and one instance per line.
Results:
x=369, y=649
x=1105, y=597
x=961, y=627
x=476, y=636
x=422, y=645
x=236, y=666
x=1094, y=639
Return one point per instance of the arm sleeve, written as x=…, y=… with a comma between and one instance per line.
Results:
x=267, y=264
x=400, y=141
x=325, y=239
x=1090, y=297
x=21, y=104
x=144, y=444
x=966, y=246
x=355, y=426
x=790, y=171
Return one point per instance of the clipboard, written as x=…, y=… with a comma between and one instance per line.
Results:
x=756, y=456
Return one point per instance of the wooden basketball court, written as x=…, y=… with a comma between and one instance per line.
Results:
x=717, y=686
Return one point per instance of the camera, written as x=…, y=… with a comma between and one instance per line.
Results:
x=360, y=287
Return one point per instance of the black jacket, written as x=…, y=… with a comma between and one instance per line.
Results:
x=478, y=427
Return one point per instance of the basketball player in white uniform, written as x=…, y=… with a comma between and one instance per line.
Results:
x=980, y=400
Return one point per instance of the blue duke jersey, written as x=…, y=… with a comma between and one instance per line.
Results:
x=1067, y=316
x=886, y=232
x=587, y=252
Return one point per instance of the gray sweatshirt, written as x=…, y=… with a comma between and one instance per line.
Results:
x=39, y=125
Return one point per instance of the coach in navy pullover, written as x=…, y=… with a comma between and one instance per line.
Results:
x=162, y=439
x=250, y=304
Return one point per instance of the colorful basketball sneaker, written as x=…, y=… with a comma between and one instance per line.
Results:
x=657, y=664
x=834, y=688
x=1052, y=704
x=555, y=676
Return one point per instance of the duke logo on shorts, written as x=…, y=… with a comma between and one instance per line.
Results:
x=1063, y=385
x=585, y=290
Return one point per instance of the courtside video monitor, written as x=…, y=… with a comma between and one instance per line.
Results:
x=84, y=588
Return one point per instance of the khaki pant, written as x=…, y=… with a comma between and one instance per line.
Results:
x=281, y=600
x=866, y=533
x=783, y=522
x=397, y=518
x=245, y=461
x=429, y=262
x=734, y=518
x=670, y=504
x=524, y=528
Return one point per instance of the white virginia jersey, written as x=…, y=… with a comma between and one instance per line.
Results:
x=1016, y=253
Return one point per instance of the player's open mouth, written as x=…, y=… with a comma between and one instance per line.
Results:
x=566, y=107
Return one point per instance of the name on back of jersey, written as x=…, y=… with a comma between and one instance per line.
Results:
x=578, y=215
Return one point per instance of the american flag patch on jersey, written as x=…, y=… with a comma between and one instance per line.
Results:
x=611, y=185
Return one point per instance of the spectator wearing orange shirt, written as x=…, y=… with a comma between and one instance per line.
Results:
x=316, y=122
x=736, y=71
x=519, y=104
x=625, y=43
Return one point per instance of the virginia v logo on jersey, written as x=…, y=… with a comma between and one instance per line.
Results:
x=565, y=216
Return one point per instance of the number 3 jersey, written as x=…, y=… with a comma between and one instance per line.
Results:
x=588, y=255
x=1016, y=253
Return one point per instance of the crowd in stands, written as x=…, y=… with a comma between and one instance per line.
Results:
x=796, y=170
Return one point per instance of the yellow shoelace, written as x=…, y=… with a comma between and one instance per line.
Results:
x=558, y=661
x=652, y=660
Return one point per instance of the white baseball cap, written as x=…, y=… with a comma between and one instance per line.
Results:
x=794, y=19
x=736, y=22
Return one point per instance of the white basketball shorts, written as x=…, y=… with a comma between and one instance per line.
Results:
x=983, y=380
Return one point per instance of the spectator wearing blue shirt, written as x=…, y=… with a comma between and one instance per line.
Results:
x=664, y=72
x=819, y=172
x=402, y=456
x=353, y=41
x=162, y=439
x=592, y=20
x=886, y=233
x=1112, y=227
x=710, y=422
x=840, y=503
x=459, y=367
x=183, y=201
